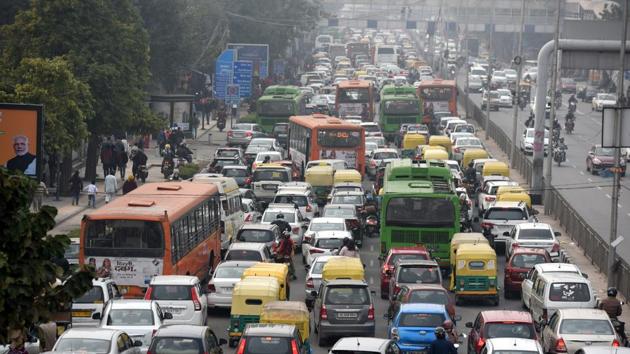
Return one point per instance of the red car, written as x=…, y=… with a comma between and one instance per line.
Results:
x=516, y=268
x=499, y=324
x=395, y=254
x=423, y=294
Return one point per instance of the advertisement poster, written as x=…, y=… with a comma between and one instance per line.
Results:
x=21, y=128
x=128, y=270
x=438, y=106
x=349, y=156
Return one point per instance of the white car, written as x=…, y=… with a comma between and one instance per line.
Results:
x=222, y=282
x=250, y=211
x=303, y=198
x=274, y=156
x=544, y=268
x=372, y=129
x=96, y=340
x=455, y=136
x=512, y=345
x=365, y=345
x=103, y=290
x=314, y=277
x=571, y=329
x=498, y=78
x=248, y=251
x=527, y=141
x=324, y=243
x=292, y=215
x=505, y=98
x=182, y=296
x=370, y=147
x=317, y=225
x=533, y=235
x=475, y=83
x=270, y=143
x=510, y=75
x=464, y=143
x=138, y=318
x=378, y=155
x=379, y=140
x=602, y=100
x=451, y=124
x=488, y=193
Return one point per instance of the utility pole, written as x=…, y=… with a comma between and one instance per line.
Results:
x=517, y=92
x=490, y=60
x=554, y=82
x=614, y=210
x=466, y=62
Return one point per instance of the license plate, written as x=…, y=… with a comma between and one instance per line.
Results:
x=348, y=315
x=272, y=187
x=228, y=289
x=81, y=313
x=173, y=311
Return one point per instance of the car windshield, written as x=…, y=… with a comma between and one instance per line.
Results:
x=318, y=267
x=535, y=234
x=464, y=141
x=272, y=157
x=467, y=128
x=419, y=275
x=82, y=345
x=327, y=226
x=400, y=256
x=329, y=243
x=130, y=317
x=234, y=172
x=601, y=151
x=421, y=320
x=510, y=330
x=243, y=255
x=271, y=175
x=505, y=214
x=229, y=272
x=227, y=153
x=348, y=199
x=524, y=260
x=345, y=213
x=371, y=128
x=273, y=215
x=607, y=97
x=255, y=236
x=171, y=292
x=347, y=295
x=176, y=345
x=242, y=127
x=299, y=200
x=93, y=296
x=428, y=297
x=385, y=155
x=586, y=326
x=569, y=292
x=267, y=344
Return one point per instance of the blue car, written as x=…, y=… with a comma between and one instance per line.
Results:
x=413, y=326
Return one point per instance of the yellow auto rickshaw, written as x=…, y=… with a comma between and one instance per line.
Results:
x=343, y=268
x=462, y=238
x=410, y=143
x=473, y=154
x=289, y=312
x=321, y=179
x=435, y=154
x=495, y=168
x=279, y=271
x=475, y=273
x=347, y=176
x=441, y=140
x=248, y=298
x=513, y=194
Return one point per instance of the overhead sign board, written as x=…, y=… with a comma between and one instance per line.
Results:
x=223, y=72
x=258, y=54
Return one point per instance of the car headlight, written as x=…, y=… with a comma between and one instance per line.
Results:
x=597, y=161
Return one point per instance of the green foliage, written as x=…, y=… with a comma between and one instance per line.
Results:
x=67, y=101
x=8, y=10
x=188, y=170
x=27, y=270
x=249, y=118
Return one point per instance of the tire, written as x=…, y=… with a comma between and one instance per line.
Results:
x=496, y=300
x=384, y=296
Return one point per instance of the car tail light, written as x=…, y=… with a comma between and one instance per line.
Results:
x=249, y=217
x=515, y=245
x=480, y=343
x=211, y=288
x=371, y=312
x=489, y=198
x=556, y=247
x=295, y=230
x=560, y=346
x=294, y=347
x=323, y=313
x=615, y=343
x=147, y=295
x=309, y=208
x=229, y=133
x=195, y=299
x=248, y=133
x=315, y=250
x=241, y=346
x=309, y=283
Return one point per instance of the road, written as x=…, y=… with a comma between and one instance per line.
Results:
x=590, y=195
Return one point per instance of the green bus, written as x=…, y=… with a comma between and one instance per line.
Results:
x=399, y=104
x=419, y=206
x=277, y=104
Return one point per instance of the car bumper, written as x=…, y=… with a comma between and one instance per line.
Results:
x=413, y=348
x=196, y=319
x=219, y=300
x=327, y=329
x=512, y=285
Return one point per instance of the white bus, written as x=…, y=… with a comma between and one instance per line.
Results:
x=385, y=54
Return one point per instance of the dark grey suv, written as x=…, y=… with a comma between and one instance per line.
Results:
x=261, y=338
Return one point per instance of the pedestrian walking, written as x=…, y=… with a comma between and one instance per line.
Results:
x=107, y=156
x=17, y=341
x=121, y=158
x=91, y=190
x=76, y=186
x=129, y=185
x=111, y=186
x=38, y=196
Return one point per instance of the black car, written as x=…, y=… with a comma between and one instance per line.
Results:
x=280, y=131
x=216, y=166
x=240, y=173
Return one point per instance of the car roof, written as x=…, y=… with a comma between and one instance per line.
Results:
x=429, y=262
x=327, y=220
x=268, y=329
x=239, y=167
x=583, y=313
x=299, y=191
x=356, y=343
x=408, y=250
x=354, y=192
x=507, y=204
x=422, y=308
x=341, y=282
x=91, y=333
x=506, y=315
x=413, y=287
x=283, y=207
x=257, y=246
x=174, y=280
x=333, y=234
x=517, y=344
x=557, y=268
x=186, y=331
x=339, y=206
x=385, y=150
x=534, y=225
x=131, y=304
x=258, y=227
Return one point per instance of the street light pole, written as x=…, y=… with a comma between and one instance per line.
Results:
x=517, y=91
x=466, y=62
x=490, y=59
x=614, y=210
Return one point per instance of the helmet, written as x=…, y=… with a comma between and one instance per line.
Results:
x=167, y=146
x=439, y=331
x=280, y=216
x=448, y=325
x=612, y=292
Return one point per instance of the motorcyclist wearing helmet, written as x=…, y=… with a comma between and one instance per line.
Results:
x=285, y=247
x=572, y=99
x=168, y=156
x=611, y=304
x=561, y=145
x=441, y=345
x=470, y=174
x=451, y=332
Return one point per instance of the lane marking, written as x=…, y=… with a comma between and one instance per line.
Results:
x=371, y=248
x=589, y=179
x=371, y=262
x=600, y=188
x=582, y=173
x=608, y=196
x=371, y=280
x=576, y=167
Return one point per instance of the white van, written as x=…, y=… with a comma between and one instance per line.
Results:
x=385, y=54
x=552, y=291
x=323, y=39
x=231, y=210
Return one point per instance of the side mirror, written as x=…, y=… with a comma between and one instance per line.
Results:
x=585, y=275
x=314, y=293
x=222, y=341
x=373, y=292
x=168, y=316
x=137, y=343
x=96, y=316
x=557, y=233
x=469, y=325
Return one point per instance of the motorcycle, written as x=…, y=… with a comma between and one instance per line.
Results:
x=487, y=233
x=168, y=167
x=572, y=107
x=559, y=154
x=620, y=329
x=221, y=124
x=569, y=126
x=555, y=134
x=142, y=173
x=371, y=226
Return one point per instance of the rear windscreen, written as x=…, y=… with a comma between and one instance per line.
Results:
x=271, y=175
x=94, y=295
x=171, y=292
x=510, y=330
x=243, y=255
x=419, y=274
x=351, y=295
x=505, y=214
x=527, y=260
x=428, y=297
x=535, y=234
x=255, y=236
x=299, y=200
x=173, y=345
x=421, y=320
x=569, y=292
x=267, y=344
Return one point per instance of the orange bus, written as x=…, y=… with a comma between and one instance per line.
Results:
x=355, y=98
x=321, y=137
x=157, y=229
x=440, y=95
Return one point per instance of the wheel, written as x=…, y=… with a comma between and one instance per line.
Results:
x=384, y=296
x=507, y=294
x=303, y=259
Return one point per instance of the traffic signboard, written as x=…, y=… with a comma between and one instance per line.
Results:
x=258, y=54
x=243, y=77
x=223, y=73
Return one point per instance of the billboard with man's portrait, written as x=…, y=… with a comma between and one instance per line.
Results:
x=21, y=138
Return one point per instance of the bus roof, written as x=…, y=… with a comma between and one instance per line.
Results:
x=226, y=184
x=393, y=90
x=323, y=121
x=154, y=200
x=354, y=84
x=432, y=171
x=279, y=90
x=412, y=187
x=437, y=83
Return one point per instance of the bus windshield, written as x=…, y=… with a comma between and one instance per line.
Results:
x=354, y=95
x=436, y=93
x=338, y=138
x=401, y=107
x=124, y=238
x=275, y=108
x=420, y=211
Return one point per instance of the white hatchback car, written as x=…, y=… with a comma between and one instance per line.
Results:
x=512, y=345
x=96, y=340
x=248, y=251
x=365, y=345
x=292, y=215
x=317, y=225
x=182, y=296
x=222, y=282
x=544, y=268
x=103, y=290
x=571, y=329
x=303, y=198
x=138, y=318
x=324, y=243
x=533, y=235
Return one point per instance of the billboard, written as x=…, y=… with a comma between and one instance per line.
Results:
x=258, y=54
x=21, y=129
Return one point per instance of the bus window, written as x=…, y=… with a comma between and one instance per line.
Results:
x=125, y=234
x=338, y=138
x=412, y=211
x=358, y=95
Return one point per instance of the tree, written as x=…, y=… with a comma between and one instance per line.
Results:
x=107, y=47
x=32, y=285
x=612, y=11
x=8, y=10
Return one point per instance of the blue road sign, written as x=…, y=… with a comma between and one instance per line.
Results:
x=258, y=54
x=223, y=73
x=243, y=77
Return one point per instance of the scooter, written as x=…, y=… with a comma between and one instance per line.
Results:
x=371, y=226
x=572, y=107
x=221, y=124
x=167, y=168
x=620, y=328
x=142, y=173
x=569, y=126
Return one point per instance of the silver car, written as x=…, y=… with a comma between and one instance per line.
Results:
x=364, y=345
x=222, y=282
x=138, y=318
x=243, y=133
x=571, y=329
x=96, y=340
x=186, y=339
x=182, y=296
x=314, y=278
x=533, y=235
x=374, y=161
x=464, y=143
